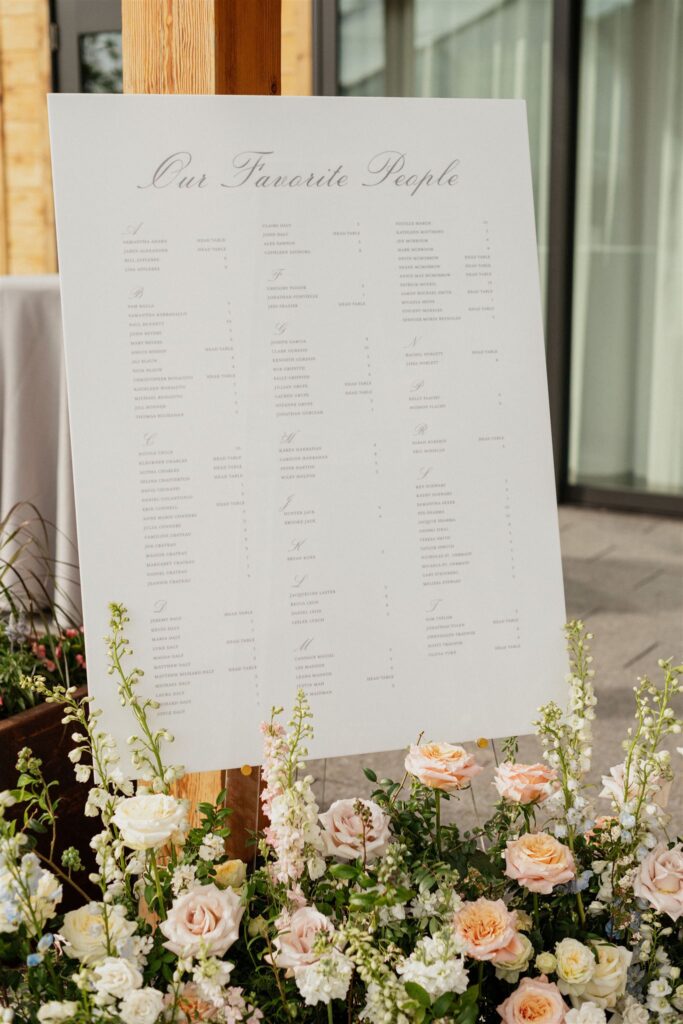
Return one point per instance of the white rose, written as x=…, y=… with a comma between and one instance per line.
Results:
x=113, y=977
x=85, y=936
x=204, y=920
x=575, y=966
x=55, y=1012
x=348, y=836
x=149, y=821
x=587, y=1013
x=633, y=1012
x=142, y=1006
x=608, y=982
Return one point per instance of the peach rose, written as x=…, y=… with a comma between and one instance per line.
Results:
x=660, y=880
x=536, y=1001
x=442, y=766
x=539, y=862
x=346, y=836
x=203, y=920
x=525, y=783
x=293, y=946
x=487, y=930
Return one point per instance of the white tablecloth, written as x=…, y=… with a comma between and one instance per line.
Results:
x=35, y=450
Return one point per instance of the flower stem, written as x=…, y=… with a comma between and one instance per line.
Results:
x=157, y=884
x=330, y=1018
x=537, y=915
x=437, y=809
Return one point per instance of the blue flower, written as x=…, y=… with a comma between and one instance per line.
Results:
x=33, y=959
x=45, y=942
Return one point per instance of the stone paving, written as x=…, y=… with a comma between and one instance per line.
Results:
x=624, y=577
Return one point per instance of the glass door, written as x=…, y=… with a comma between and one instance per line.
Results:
x=626, y=421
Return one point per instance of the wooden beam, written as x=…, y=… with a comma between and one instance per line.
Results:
x=201, y=46
x=207, y=46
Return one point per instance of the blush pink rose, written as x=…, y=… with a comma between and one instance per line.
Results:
x=614, y=787
x=536, y=1001
x=293, y=946
x=487, y=930
x=660, y=880
x=539, y=862
x=525, y=783
x=346, y=835
x=205, y=920
x=442, y=766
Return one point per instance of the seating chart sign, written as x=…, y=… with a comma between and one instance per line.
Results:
x=309, y=414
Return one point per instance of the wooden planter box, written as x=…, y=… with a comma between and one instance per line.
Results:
x=41, y=729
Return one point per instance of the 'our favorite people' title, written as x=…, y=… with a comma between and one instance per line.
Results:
x=252, y=168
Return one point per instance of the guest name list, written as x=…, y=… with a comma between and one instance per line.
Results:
x=309, y=417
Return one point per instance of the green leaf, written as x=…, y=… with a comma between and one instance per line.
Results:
x=369, y=774
x=468, y=1016
x=417, y=993
x=343, y=871
x=442, y=1005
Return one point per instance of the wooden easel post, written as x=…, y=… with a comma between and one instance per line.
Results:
x=207, y=46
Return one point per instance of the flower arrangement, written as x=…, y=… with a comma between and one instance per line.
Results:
x=56, y=655
x=375, y=910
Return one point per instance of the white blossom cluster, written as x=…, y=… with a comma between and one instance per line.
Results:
x=436, y=964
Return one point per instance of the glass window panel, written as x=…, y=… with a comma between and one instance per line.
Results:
x=461, y=48
x=101, y=62
x=627, y=336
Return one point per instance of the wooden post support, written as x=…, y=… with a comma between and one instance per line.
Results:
x=207, y=46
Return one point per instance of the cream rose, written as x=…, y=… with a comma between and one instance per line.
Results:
x=539, y=862
x=84, y=933
x=510, y=970
x=536, y=1001
x=608, y=982
x=442, y=766
x=55, y=1012
x=659, y=880
x=293, y=946
x=525, y=783
x=205, y=920
x=230, y=874
x=487, y=930
x=348, y=837
x=142, y=1006
x=148, y=821
x=575, y=966
x=113, y=977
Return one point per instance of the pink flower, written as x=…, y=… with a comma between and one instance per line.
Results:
x=442, y=766
x=346, y=835
x=49, y=665
x=536, y=1001
x=539, y=862
x=293, y=946
x=525, y=783
x=71, y=633
x=488, y=931
x=614, y=787
x=80, y=661
x=58, y=651
x=660, y=880
x=205, y=920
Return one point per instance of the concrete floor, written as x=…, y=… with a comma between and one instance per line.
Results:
x=624, y=577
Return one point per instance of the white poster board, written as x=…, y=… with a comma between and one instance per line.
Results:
x=309, y=414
